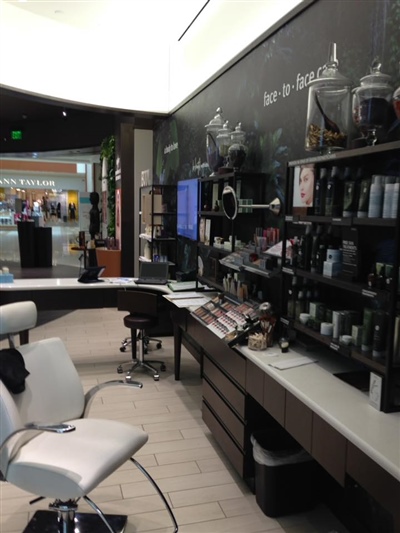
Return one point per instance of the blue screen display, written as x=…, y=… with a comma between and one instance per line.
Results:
x=187, y=203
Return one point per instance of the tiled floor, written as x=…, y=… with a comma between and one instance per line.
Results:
x=206, y=494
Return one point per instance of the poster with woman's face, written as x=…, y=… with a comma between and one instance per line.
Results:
x=303, y=190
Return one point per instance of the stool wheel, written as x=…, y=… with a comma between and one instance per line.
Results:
x=122, y=349
x=156, y=377
x=158, y=345
x=163, y=368
x=120, y=370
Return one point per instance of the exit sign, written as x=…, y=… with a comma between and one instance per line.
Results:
x=16, y=135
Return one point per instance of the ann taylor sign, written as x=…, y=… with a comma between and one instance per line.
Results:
x=27, y=182
x=65, y=183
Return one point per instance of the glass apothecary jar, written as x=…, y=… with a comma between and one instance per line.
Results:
x=329, y=108
x=214, y=159
x=372, y=103
x=224, y=141
x=237, y=150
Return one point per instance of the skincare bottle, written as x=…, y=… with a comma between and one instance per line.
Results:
x=363, y=199
x=379, y=334
x=376, y=197
x=319, y=194
x=349, y=195
x=316, y=239
x=388, y=195
x=368, y=329
x=305, y=248
x=332, y=203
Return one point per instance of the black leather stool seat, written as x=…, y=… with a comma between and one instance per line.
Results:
x=139, y=321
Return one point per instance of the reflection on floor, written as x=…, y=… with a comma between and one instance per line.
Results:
x=206, y=493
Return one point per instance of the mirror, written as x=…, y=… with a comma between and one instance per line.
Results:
x=231, y=205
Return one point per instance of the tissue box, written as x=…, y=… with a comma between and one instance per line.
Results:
x=6, y=278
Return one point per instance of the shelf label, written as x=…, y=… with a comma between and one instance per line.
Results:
x=285, y=321
x=369, y=294
x=287, y=270
x=334, y=346
x=289, y=218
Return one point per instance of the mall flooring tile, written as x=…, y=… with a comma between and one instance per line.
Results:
x=206, y=494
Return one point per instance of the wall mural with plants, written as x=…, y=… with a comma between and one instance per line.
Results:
x=267, y=90
x=107, y=151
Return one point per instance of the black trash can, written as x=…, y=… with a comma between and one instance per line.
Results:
x=285, y=474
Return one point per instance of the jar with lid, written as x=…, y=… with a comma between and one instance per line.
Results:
x=214, y=159
x=371, y=104
x=238, y=149
x=224, y=141
x=329, y=108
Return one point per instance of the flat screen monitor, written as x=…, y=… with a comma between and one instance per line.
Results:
x=187, y=209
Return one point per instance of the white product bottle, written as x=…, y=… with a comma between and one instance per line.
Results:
x=376, y=197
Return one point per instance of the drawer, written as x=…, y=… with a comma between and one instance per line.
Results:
x=225, y=415
x=234, y=396
x=328, y=447
x=233, y=453
x=255, y=381
x=274, y=399
x=375, y=480
x=298, y=420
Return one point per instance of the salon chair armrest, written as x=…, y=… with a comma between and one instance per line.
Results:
x=91, y=393
x=52, y=428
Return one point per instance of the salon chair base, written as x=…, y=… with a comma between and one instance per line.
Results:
x=47, y=522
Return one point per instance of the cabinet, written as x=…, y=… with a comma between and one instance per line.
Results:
x=234, y=247
x=340, y=267
x=158, y=223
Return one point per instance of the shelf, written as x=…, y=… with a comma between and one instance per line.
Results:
x=370, y=235
x=375, y=364
x=149, y=238
x=207, y=281
x=211, y=213
x=348, y=154
x=342, y=221
x=352, y=286
x=220, y=251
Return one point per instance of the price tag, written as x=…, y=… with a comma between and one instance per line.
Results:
x=285, y=321
x=334, y=346
x=287, y=270
x=369, y=294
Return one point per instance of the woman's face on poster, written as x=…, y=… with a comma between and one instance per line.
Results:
x=306, y=185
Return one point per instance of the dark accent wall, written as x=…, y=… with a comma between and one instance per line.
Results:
x=267, y=89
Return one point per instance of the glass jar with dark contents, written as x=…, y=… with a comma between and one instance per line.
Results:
x=372, y=104
x=328, y=110
x=237, y=150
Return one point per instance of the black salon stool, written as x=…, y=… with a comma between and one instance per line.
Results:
x=138, y=322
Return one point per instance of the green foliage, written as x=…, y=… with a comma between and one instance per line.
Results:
x=107, y=150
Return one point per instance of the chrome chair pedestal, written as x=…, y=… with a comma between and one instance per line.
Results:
x=51, y=522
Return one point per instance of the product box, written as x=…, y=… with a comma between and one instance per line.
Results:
x=356, y=334
x=332, y=269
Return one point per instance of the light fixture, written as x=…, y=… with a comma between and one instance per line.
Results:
x=64, y=113
x=231, y=204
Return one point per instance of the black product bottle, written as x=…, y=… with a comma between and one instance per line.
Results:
x=320, y=190
x=305, y=249
x=349, y=194
x=295, y=252
x=333, y=197
x=292, y=298
x=316, y=241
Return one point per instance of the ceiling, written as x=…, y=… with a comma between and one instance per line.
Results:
x=112, y=56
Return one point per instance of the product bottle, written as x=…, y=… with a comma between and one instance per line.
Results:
x=299, y=305
x=332, y=203
x=349, y=194
x=320, y=190
x=375, y=204
x=316, y=240
x=305, y=249
x=363, y=198
x=379, y=336
x=292, y=298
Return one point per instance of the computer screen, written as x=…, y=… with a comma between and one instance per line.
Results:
x=187, y=209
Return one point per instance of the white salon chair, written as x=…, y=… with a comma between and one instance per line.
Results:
x=17, y=318
x=48, y=447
